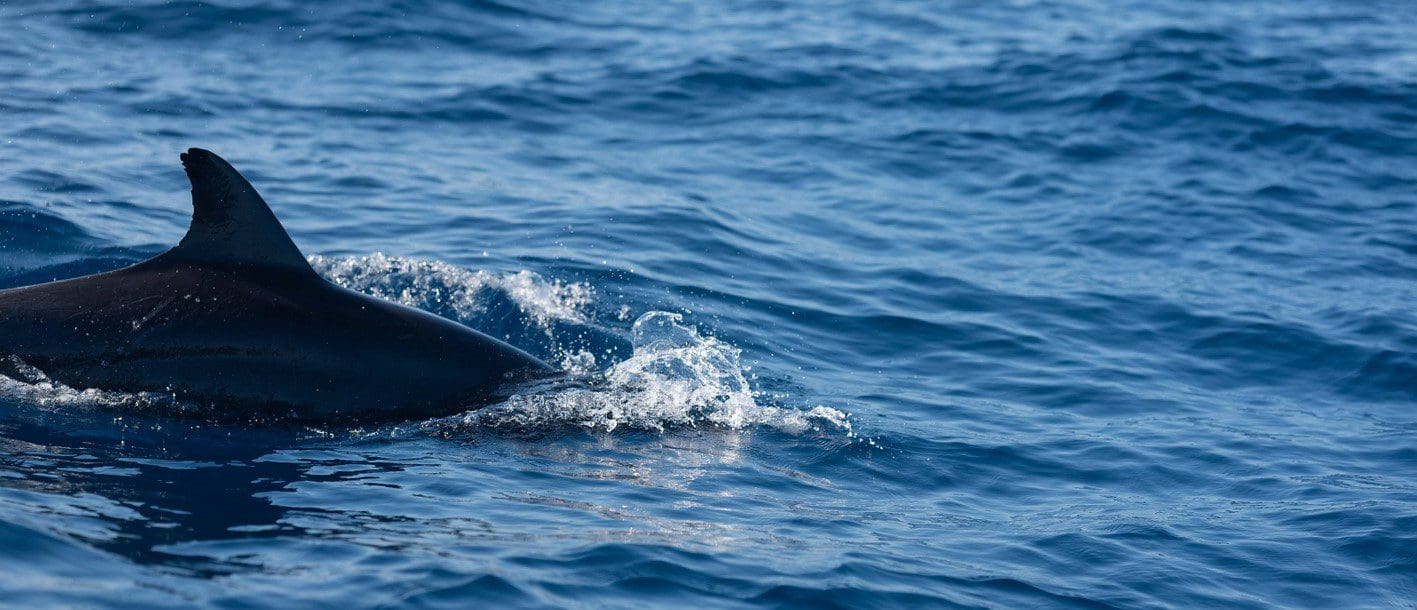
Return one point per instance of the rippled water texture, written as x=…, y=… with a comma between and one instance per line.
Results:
x=999, y=304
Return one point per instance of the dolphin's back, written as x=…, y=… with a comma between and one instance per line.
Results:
x=235, y=316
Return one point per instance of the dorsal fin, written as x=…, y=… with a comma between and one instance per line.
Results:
x=231, y=224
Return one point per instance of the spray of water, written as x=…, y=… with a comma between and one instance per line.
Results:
x=675, y=377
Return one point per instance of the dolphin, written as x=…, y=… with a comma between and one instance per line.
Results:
x=234, y=317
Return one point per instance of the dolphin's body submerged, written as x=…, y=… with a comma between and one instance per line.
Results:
x=233, y=315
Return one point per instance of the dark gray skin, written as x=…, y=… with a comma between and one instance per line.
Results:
x=234, y=316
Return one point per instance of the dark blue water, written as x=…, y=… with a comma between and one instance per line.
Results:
x=1033, y=304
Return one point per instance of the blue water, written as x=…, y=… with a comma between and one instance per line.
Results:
x=892, y=305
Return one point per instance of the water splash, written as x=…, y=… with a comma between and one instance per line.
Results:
x=675, y=377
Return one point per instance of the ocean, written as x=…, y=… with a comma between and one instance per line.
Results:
x=1033, y=304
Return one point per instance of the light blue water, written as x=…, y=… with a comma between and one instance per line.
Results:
x=1033, y=304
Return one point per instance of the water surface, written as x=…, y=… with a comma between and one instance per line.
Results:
x=909, y=304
